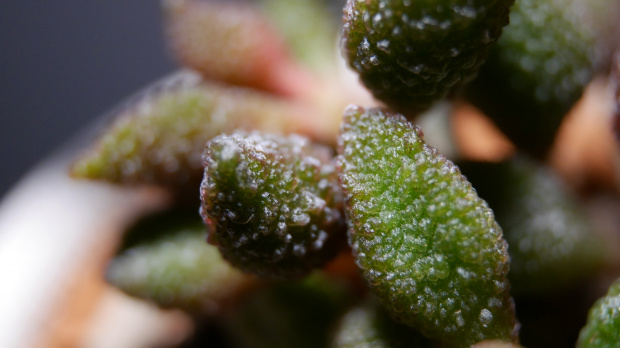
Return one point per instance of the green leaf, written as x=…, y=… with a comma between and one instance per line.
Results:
x=309, y=27
x=537, y=71
x=368, y=325
x=272, y=202
x=297, y=314
x=603, y=327
x=428, y=247
x=411, y=53
x=166, y=260
x=158, y=137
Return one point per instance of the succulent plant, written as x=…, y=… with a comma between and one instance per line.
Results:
x=249, y=127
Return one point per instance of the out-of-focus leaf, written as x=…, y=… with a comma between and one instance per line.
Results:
x=231, y=42
x=368, y=325
x=166, y=260
x=158, y=138
x=291, y=314
x=537, y=71
x=551, y=243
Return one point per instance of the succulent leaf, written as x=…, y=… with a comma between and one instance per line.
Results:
x=368, y=325
x=309, y=28
x=229, y=42
x=411, y=53
x=296, y=314
x=158, y=138
x=603, y=327
x=537, y=71
x=428, y=247
x=551, y=240
x=272, y=202
x=167, y=261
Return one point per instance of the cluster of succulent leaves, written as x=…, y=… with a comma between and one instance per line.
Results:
x=437, y=256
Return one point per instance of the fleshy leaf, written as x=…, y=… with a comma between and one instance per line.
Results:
x=309, y=28
x=603, y=327
x=167, y=261
x=411, y=53
x=272, y=202
x=368, y=325
x=551, y=240
x=428, y=247
x=296, y=314
x=231, y=42
x=159, y=137
x=537, y=71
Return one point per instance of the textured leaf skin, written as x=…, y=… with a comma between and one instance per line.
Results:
x=536, y=72
x=551, y=240
x=368, y=325
x=603, y=327
x=159, y=137
x=410, y=53
x=166, y=260
x=272, y=202
x=296, y=314
x=428, y=247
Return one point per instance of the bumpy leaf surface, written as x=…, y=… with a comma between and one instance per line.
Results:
x=159, y=137
x=429, y=248
x=410, y=53
x=367, y=325
x=272, y=202
x=166, y=261
x=603, y=327
x=537, y=71
x=551, y=241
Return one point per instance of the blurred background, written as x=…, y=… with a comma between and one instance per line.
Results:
x=62, y=64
